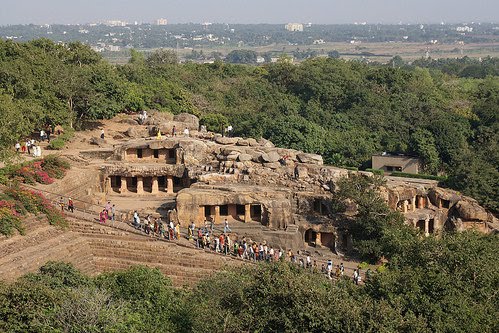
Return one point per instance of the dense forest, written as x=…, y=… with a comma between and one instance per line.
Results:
x=435, y=285
x=344, y=110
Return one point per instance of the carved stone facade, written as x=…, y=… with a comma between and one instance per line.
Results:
x=216, y=178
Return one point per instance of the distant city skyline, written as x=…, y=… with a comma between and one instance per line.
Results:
x=246, y=11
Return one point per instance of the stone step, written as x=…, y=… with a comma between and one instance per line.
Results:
x=179, y=276
x=292, y=228
x=143, y=257
x=33, y=237
x=60, y=248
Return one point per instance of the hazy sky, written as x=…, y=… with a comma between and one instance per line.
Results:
x=249, y=11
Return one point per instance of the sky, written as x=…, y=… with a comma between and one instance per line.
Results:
x=248, y=11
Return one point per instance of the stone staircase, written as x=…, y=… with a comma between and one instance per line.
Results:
x=118, y=249
x=23, y=254
x=95, y=248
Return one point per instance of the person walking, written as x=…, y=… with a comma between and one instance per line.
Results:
x=17, y=146
x=108, y=209
x=226, y=226
x=61, y=204
x=102, y=217
x=113, y=213
x=102, y=134
x=70, y=205
x=177, y=230
x=355, y=276
x=28, y=146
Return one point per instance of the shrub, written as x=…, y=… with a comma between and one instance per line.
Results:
x=41, y=171
x=59, y=142
x=55, y=166
x=56, y=144
x=35, y=203
x=352, y=168
x=376, y=171
x=9, y=221
x=418, y=176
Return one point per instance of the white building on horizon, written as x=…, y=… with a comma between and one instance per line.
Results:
x=115, y=23
x=294, y=27
x=161, y=21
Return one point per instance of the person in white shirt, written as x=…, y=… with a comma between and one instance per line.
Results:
x=186, y=132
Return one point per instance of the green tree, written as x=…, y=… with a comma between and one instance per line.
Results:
x=162, y=57
x=241, y=57
x=423, y=145
x=376, y=230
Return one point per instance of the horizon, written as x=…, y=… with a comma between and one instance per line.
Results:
x=128, y=23
x=318, y=12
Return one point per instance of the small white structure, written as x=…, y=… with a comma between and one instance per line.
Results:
x=294, y=27
x=161, y=21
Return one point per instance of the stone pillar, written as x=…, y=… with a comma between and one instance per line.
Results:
x=247, y=213
x=107, y=185
x=421, y=202
x=140, y=185
x=232, y=210
x=439, y=203
x=427, y=227
x=404, y=206
x=155, y=186
x=413, y=204
x=123, y=188
x=178, y=156
x=217, y=214
x=318, y=240
x=201, y=216
x=169, y=184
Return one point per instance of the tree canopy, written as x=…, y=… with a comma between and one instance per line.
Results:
x=345, y=110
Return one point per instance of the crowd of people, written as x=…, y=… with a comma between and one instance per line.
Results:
x=156, y=227
x=223, y=242
x=31, y=146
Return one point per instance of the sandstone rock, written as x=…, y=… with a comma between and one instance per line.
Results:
x=471, y=211
x=97, y=141
x=137, y=132
x=242, y=142
x=244, y=157
x=252, y=142
x=187, y=118
x=272, y=165
x=129, y=121
x=310, y=158
x=231, y=150
x=301, y=172
x=233, y=156
x=273, y=156
x=265, y=143
x=239, y=165
x=156, y=117
x=223, y=140
x=264, y=157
